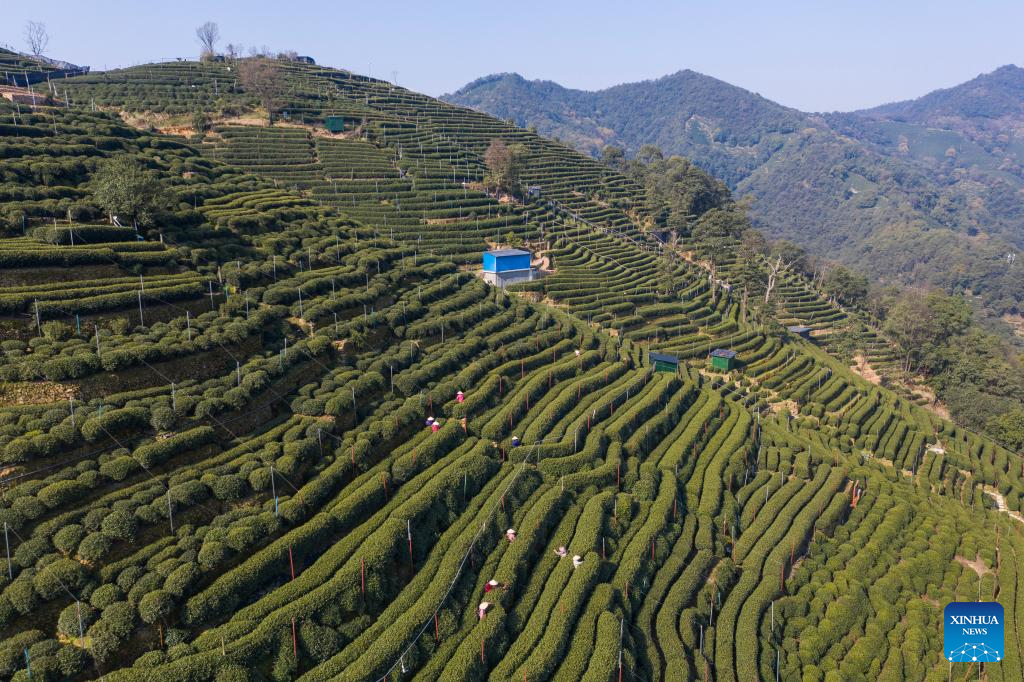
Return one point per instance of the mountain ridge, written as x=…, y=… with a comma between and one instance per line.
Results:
x=866, y=188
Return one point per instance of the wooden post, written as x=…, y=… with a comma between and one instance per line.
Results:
x=408, y=531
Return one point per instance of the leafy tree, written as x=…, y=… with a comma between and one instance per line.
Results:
x=717, y=230
x=792, y=255
x=1009, y=428
x=649, y=153
x=846, y=286
x=123, y=187
x=922, y=323
x=261, y=77
x=504, y=165
x=614, y=157
x=752, y=245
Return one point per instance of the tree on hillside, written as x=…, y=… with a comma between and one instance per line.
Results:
x=846, y=286
x=716, y=231
x=125, y=188
x=648, y=154
x=261, y=77
x=922, y=325
x=36, y=37
x=1009, y=428
x=792, y=255
x=614, y=157
x=208, y=35
x=504, y=163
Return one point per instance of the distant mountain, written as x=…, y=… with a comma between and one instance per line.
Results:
x=991, y=96
x=729, y=130
x=923, y=191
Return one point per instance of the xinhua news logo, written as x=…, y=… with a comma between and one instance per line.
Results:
x=973, y=631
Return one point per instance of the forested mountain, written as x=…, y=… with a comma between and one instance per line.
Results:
x=925, y=192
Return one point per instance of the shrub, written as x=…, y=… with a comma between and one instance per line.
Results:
x=59, y=576
x=105, y=595
x=119, y=525
x=22, y=594
x=68, y=538
x=182, y=579
x=94, y=547
x=67, y=622
x=155, y=606
x=113, y=422
x=212, y=553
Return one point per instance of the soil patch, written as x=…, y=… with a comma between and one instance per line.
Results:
x=864, y=370
x=976, y=565
x=35, y=393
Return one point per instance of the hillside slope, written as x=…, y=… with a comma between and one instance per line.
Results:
x=216, y=463
x=883, y=190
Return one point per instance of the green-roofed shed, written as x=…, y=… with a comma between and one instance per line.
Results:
x=663, y=363
x=723, y=360
x=337, y=124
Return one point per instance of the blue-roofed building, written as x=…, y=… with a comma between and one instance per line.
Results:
x=507, y=266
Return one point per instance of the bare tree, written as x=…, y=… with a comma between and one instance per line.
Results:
x=232, y=51
x=37, y=37
x=208, y=35
x=774, y=270
x=262, y=77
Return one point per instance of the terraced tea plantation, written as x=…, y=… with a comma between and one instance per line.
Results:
x=217, y=462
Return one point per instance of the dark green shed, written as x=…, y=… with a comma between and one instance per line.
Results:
x=337, y=124
x=723, y=360
x=662, y=362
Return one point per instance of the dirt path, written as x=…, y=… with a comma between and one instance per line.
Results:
x=977, y=565
x=1001, y=503
x=864, y=370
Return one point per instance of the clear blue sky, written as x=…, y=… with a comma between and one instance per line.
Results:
x=820, y=55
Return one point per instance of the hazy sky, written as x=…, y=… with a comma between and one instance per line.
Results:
x=819, y=55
